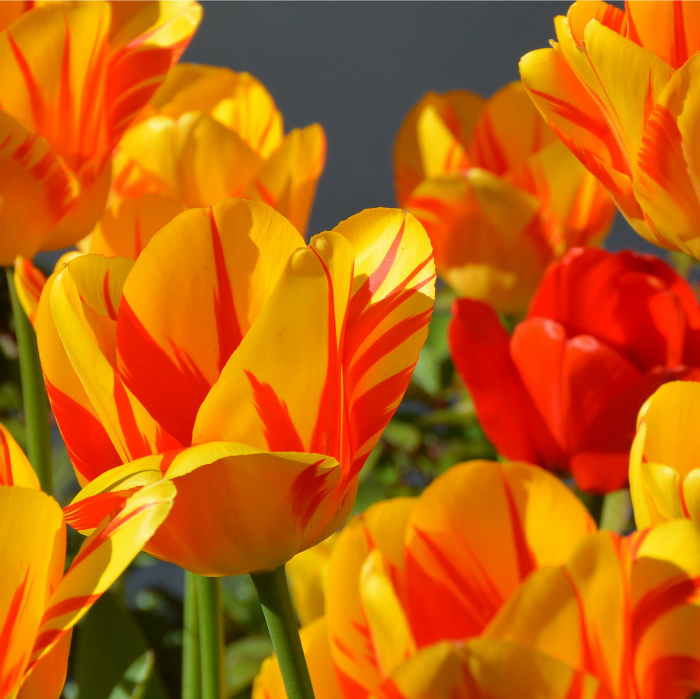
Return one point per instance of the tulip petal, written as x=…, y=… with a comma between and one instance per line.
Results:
x=473, y=537
x=223, y=264
x=101, y=560
x=433, y=138
x=48, y=676
x=314, y=641
x=287, y=180
x=128, y=225
x=32, y=550
x=391, y=302
x=480, y=349
x=15, y=468
x=29, y=283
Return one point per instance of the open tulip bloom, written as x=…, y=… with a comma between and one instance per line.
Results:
x=254, y=372
x=494, y=584
x=39, y=603
x=620, y=88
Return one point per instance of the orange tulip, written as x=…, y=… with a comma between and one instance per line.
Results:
x=633, y=128
x=499, y=196
x=39, y=603
x=494, y=585
x=665, y=457
x=255, y=372
x=74, y=77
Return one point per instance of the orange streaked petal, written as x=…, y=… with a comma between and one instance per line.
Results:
x=223, y=264
x=287, y=180
x=29, y=283
x=15, y=468
x=48, y=676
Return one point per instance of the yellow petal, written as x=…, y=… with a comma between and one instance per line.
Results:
x=29, y=283
x=287, y=180
x=15, y=468
x=32, y=551
x=48, y=676
x=101, y=560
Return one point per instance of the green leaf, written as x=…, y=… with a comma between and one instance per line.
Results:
x=243, y=660
x=133, y=682
x=107, y=644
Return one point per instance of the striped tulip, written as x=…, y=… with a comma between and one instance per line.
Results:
x=634, y=129
x=499, y=196
x=39, y=603
x=665, y=457
x=74, y=77
x=412, y=578
x=493, y=584
x=256, y=372
x=603, y=332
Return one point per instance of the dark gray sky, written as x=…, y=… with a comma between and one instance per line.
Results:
x=358, y=67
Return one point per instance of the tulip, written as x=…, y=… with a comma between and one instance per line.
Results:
x=634, y=128
x=602, y=333
x=664, y=458
x=412, y=577
x=39, y=603
x=499, y=196
x=74, y=77
x=254, y=371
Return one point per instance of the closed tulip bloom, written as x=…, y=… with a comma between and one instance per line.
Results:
x=39, y=603
x=603, y=332
x=665, y=457
x=256, y=372
x=74, y=77
x=412, y=580
x=498, y=194
x=634, y=129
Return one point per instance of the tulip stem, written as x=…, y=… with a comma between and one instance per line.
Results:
x=36, y=406
x=210, y=637
x=273, y=592
x=191, y=682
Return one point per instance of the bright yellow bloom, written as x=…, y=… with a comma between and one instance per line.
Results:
x=255, y=371
x=39, y=604
x=621, y=90
x=665, y=457
x=74, y=77
x=498, y=194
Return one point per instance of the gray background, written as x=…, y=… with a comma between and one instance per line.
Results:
x=358, y=67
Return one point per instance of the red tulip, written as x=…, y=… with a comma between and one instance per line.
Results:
x=603, y=332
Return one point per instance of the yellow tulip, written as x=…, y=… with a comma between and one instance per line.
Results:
x=620, y=89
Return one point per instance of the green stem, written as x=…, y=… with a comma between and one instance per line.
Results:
x=279, y=614
x=617, y=512
x=191, y=682
x=210, y=637
x=36, y=407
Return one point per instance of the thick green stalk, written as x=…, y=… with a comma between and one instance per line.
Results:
x=210, y=637
x=191, y=675
x=36, y=406
x=279, y=614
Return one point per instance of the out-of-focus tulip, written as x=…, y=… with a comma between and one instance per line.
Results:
x=602, y=333
x=411, y=578
x=633, y=128
x=39, y=603
x=499, y=196
x=665, y=457
x=254, y=371
x=74, y=77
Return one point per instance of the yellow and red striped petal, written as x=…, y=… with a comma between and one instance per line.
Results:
x=288, y=178
x=193, y=158
x=509, y=129
x=382, y=529
x=257, y=400
x=237, y=100
x=433, y=138
x=222, y=266
x=101, y=560
x=48, y=676
x=15, y=468
x=393, y=291
x=314, y=640
x=29, y=283
x=505, y=520
x=32, y=551
x=128, y=225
